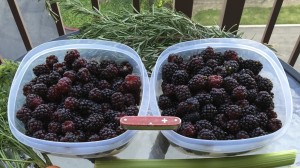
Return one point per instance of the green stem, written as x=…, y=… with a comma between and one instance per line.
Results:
x=13, y=160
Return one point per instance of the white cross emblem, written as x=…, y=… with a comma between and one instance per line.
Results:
x=164, y=120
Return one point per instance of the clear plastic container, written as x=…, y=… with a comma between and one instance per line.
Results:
x=247, y=49
x=90, y=49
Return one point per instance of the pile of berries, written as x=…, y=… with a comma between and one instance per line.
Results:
x=79, y=100
x=218, y=96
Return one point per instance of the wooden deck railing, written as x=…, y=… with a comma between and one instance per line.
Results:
x=229, y=20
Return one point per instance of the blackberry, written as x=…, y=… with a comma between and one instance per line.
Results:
x=169, y=112
x=173, y=58
x=204, y=98
x=197, y=83
x=118, y=100
x=257, y=132
x=76, y=91
x=42, y=112
x=208, y=112
x=71, y=103
x=242, y=103
x=79, y=63
x=24, y=114
x=94, y=122
x=129, y=99
x=219, y=95
x=220, y=120
x=164, y=102
x=231, y=66
x=84, y=105
x=93, y=67
x=181, y=109
x=107, y=133
x=247, y=81
x=110, y=72
x=79, y=122
x=27, y=88
x=83, y=75
x=71, y=56
x=191, y=117
x=231, y=55
x=41, y=70
x=51, y=137
x=180, y=77
x=33, y=100
x=249, y=122
x=94, y=137
x=105, y=107
x=233, y=126
x=254, y=66
x=50, y=60
x=206, y=71
x=168, y=89
x=203, y=124
x=263, y=99
x=59, y=68
x=95, y=95
x=132, y=111
x=86, y=88
x=118, y=85
x=251, y=95
x=182, y=92
x=61, y=115
x=230, y=137
x=229, y=83
x=43, y=79
x=67, y=126
x=208, y=53
x=106, y=94
x=54, y=127
x=242, y=135
x=215, y=81
x=212, y=63
x=80, y=136
x=239, y=93
x=206, y=134
x=264, y=84
x=195, y=64
x=247, y=71
x=192, y=104
x=103, y=84
x=120, y=130
x=40, y=134
x=40, y=89
x=54, y=94
x=53, y=78
x=187, y=129
x=69, y=137
x=125, y=68
x=250, y=109
x=34, y=125
x=262, y=119
x=132, y=83
x=220, y=70
x=235, y=76
x=95, y=108
x=219, y=133
x=105, y=63
x=233, y=112
x=71, y=75
x=274, y=124
x=64, y=85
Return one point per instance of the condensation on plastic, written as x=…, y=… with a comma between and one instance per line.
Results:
x=247, y=49
x=92, y=50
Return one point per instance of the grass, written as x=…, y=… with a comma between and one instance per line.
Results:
x=251, y=15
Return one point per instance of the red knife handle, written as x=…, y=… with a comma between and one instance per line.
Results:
x=150, y=122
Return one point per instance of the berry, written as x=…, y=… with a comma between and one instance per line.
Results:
x=86, y=88
x=80, y=136
x=264, y=84
x=274, y=124
x=107, y=133
x=110, y=72
x=263, y=99
x=71, y=75
x=94, y=108
x=247, y=71
x=208, y=53
x=182, y=92
x=71, y=103
x=206, y=134
x=195, y=64
x=103, y=84
x=79, y=122
x=191, y=117
x=182, y=109
x=231, y=55
x=197, y=83
x=220, y=70
x=231, y=66
x=118, y=100
x=129, y=99
x=204, y=98
x=41, y=70
x=169, y=112
x=242, y=135
x=233, y=112
x=84, y=105
x=61, y=115
x=247, y=81
x=254, y=66
x=27, y=88
x=220, y=120
x=212, y=63
x=42, y=112
x=40, y=134
x=95, y=95
x=94, y=122
x=168, y=89
x=249, y=122
x=251, y=95
x=125, y=68
x=40, y=89
x=239, y=93
x=51, y=137
x=83, y=75
x=64, y=84
x=79, y=63
x=180, y=77
x=168, y=71
x=192, y=104
x=106, y=94
x=208, y=112
x=59, y=68
x=50, y=60
x=206, y=71
x=132, y=83
x=215, y=81
x=219, y=95
x=132, y=111
x=219, y=133
x=105, y=63
x=33, y=100
x=93, y=67
x=229, y=83
x=257, y=132
x=105, y=107
x=94, y=137
x=203, y=124
x=34, y=125
x=250, y=109
x=24, y=114
x=54, y=127
x=187, y=129
x=233, y=126
x=118, y=85
x=68, y=126
x=262, y=119
x=53, y=78
x=54, y=94
x=69, y=137
x=164, y=102
x=71, y=56
x=175, y=59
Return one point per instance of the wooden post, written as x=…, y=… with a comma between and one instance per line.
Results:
x=295, y=53
x=59, y=23
x=185, y=6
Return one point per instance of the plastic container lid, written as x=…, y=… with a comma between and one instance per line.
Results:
x=90, y=49
x=247, y=49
